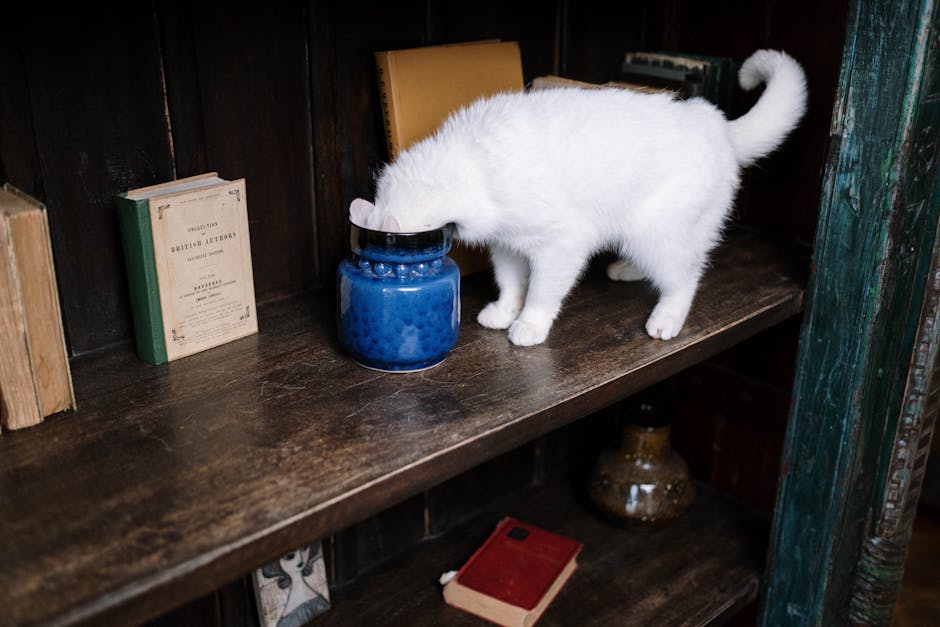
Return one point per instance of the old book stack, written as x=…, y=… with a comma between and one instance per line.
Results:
x=188, y=257
x=679, y=74
x=419, y=87
x=688, y=75
x=35, y=380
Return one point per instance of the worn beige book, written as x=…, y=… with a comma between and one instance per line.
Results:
x=31, y=287
x=19, y=403
x=188, y=255
x=550, y=81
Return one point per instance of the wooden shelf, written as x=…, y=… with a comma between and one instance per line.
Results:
x=697, y=570
x=171, y=481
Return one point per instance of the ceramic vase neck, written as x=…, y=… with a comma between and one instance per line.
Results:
x=647, y=444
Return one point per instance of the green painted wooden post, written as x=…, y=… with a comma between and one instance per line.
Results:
x=868, y=306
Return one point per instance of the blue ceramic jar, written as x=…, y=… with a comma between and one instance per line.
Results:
x=398, y=299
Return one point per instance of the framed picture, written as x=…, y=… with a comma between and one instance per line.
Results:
x=293, y=589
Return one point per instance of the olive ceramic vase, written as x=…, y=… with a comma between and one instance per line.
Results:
x=643, y=480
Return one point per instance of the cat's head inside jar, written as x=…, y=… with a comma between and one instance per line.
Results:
x=398, y=213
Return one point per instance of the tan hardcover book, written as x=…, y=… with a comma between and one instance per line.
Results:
x=28, y=249
x=188, y=255
x=420, y=87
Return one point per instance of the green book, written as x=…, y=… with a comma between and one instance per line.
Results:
x=188, y=258
x=142, y=278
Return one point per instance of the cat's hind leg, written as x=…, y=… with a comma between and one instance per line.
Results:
x=554, y=273
x=511, y=272
x=624, y=270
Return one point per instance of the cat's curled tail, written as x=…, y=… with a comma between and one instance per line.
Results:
x=778, y=110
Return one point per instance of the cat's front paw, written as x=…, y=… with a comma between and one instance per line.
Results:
x=495, y=317
x=664, y=324
x=528, y=333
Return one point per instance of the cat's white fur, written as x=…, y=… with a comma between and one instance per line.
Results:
x=548, y=178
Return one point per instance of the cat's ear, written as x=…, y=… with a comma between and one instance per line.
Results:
x=391, y=225
x=359, y=211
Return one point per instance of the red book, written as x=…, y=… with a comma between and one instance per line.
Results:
x=513, y=577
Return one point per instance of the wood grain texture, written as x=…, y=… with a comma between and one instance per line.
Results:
x=181, y=77
x=696, y=570
x=19, y=160
x=254, y=101
x=349, y=135
x=531, y=24
x=919, y=600
x=595, y=36
x=205, y=468
x=100, y=123
x=877, y=231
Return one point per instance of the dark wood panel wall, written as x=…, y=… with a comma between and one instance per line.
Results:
x=96, y=101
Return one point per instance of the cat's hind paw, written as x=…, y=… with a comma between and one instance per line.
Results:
x=495, y=317
x=623, y=270
x=527, y=333
x=664, y=324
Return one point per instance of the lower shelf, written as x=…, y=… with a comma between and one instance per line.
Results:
x=697, y=570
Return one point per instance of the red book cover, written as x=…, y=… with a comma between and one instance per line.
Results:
x=515, y=574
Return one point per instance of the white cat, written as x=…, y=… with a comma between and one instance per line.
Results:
x=548, y=178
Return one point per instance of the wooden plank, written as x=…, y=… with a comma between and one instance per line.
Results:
x=19, y=159
x=697, y=570
x=593, y=38
x=532, y=24
x=254, y=100
x=910, y=424
x=100, y=128
x=181, y=77
x=875, y=237
x=349, y=132
x=206, y=468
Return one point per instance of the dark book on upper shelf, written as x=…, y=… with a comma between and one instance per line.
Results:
x=689, y=75
x=513, y=577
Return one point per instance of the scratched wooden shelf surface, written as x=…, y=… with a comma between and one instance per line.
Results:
x=171, y=481
x=699, y=569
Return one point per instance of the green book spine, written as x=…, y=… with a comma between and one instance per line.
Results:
x=134, y=216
